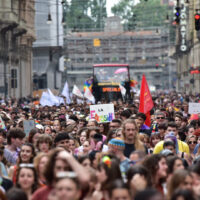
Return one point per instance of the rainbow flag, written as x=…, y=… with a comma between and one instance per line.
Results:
x=133, y=83
x=88, y=84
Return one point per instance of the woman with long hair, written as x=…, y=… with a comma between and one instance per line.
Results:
x=40, y=162
x=26, y=155
x=27, y=179
x=82, y=136
x=107, y=171
x=174, y=163
x=181, y=179
x=157, y=166
x=60, y=160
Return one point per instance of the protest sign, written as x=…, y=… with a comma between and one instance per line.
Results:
x=194, y=108
x=102, y=112
x=28, y=125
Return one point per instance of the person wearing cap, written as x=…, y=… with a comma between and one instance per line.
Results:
x=172, y=130
x=116, y=146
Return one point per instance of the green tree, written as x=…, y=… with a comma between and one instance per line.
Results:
x=76, y=15
x=144, y=14
x=85, y=15
x=98, y=13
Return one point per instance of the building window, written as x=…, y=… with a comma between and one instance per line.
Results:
x=13, y=78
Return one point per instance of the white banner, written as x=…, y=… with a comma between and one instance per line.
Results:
x=65, y=93
x=194, y=108
x=102, y=112
x=123, y=90
x=45, y=99
x=77, y=92
x=89, y=95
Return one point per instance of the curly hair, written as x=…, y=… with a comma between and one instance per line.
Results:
x=151, y=163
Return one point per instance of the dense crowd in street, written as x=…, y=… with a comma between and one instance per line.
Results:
x=69, y=156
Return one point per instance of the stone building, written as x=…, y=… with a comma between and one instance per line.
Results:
x=145, y=52
x=188, y=58
x=16, y=37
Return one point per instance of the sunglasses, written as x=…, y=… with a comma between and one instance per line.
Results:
x=192, y=142
x=160, y=118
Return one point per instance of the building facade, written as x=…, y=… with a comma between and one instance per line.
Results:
x=145, y=51
x=188, y=59
x=48, y=62
x=16, y=37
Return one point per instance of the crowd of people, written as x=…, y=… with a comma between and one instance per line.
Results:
x=68, y=156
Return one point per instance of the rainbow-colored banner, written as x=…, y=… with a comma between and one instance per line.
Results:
x=88, y=84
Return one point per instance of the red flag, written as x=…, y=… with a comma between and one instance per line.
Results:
x=146, y=103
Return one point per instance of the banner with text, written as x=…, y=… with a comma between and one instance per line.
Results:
x=28, y=125
x=102, y=112
x=194, y=108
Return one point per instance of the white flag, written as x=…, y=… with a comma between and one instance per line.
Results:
x=54, y=99
x=45, y=99
x=89, y=95
x=123, y=90
x=65, y=93
x=60, y=100
x=77, y=92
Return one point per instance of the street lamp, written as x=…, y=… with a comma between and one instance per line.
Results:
x=49, y=19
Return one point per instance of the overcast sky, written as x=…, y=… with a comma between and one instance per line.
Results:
x=110, y=4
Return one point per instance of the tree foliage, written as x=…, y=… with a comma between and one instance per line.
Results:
x=98, y=12
x=85, y=15
x=144, y=14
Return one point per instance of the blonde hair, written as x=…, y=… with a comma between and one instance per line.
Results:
x=189, y=137
x=138, y=144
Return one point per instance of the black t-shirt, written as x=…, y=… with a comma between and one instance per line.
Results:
x=129, y=148
x=6, y=184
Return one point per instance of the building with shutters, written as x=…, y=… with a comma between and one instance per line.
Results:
x=17, y=34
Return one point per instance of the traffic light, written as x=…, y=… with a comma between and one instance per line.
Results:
x=197, y=21
x=177, y=14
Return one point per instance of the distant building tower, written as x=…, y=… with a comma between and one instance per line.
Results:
x=113, y=24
